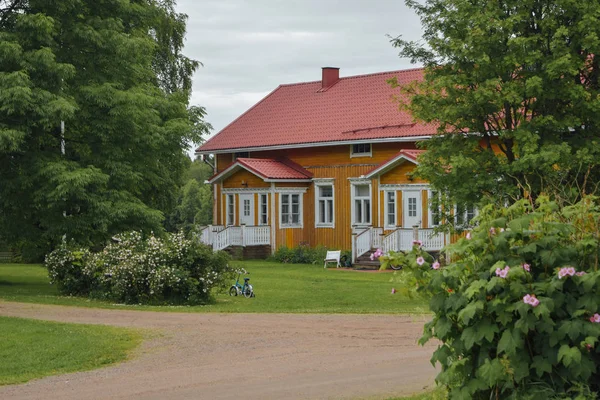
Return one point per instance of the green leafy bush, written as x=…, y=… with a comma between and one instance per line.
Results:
x=134, y=270
x=302, y=254
x=516, y=311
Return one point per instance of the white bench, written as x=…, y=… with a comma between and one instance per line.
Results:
x=333, y=256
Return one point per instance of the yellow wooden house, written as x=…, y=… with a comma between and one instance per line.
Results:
x=323, y=163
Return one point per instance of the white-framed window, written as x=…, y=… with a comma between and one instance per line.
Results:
x=361, y=204
x=230, y=208
x=290, y=210
x=390, y=209
x=324, y=200
x=435, y=208
x=360, y=150
x=263, y=208
x=463, y=214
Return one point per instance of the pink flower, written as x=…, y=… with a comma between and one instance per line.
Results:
x=531, y=300
x=566, y=271
x=435, y=265
x=526, y=267
x=501, y=229
x=502, y=273
x=595, y=318
x=393, y=290
x=492, y=231
x=417, y=243
x=580, y=273
x=378, y=253
x=420, y=261
x=468, y=236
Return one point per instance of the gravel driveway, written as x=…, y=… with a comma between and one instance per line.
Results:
x=243, y=356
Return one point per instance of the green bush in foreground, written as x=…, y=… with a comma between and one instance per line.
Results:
x=135, y=270
x=517, y=309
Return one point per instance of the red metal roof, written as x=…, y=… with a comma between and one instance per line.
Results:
x=354, y=108
x=266, y=168
x=406, y=154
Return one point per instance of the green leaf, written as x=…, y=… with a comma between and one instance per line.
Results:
x=568, y=355
x=509, y=342
x=541, y=365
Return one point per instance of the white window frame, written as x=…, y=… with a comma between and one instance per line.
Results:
x=229, y=203
x=261, y=214
x=466, y=222
x=430, y=195
x=386, y=213
x=353, y=200
x=363, y=154
x=318, y=185
x=299, y=224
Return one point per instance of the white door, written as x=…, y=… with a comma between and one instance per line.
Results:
x=247, y=209
x=412, y=212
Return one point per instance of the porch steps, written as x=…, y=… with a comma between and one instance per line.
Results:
x=365, y=262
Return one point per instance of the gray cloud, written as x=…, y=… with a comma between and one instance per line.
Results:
x=249, y=47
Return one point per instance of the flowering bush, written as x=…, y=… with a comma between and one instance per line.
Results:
x=517, y=310
x=135, y=270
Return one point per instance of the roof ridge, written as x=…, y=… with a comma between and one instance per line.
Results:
x=355, y=76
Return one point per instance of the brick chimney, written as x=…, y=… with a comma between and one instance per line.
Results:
x=330, y=75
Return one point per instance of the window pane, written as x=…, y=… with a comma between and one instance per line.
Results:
x=321, y=211
x=295, y=199
x=285, y=198
x=295, y=218
x=326, y=191
x=367, y=211
x=358, y=211
x=330, y=211
x=284, y=218
x=362, y=190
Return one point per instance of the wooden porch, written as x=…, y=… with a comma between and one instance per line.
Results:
x=221, y=237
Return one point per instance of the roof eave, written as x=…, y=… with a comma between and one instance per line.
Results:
x=316, y=144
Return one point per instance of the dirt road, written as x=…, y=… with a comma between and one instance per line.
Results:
x=247, y=356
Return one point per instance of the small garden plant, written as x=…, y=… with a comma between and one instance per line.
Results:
x=138, y=270
x=517, y=308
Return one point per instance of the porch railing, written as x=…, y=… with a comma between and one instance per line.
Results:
x=402, y=240
x=376, y=237
x=208, y=233
x=361, y=243
x=242, y=236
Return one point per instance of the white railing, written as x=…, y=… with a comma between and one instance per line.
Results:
x=242, y=236
x=361, y=243
x=402, y=240
x=432, y=240
x=376, y=236
x=208, y=233
x=256, y=235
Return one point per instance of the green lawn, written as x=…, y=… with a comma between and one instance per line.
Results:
x=32, y=349
x=281, y=288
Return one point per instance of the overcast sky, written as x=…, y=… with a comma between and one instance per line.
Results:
x=249, y=47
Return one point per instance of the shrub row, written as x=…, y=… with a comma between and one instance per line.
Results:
x=302, y=254
x=138, y=270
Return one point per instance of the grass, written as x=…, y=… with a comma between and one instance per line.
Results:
x=32, y=349
x=436, y=394
x=279, y=288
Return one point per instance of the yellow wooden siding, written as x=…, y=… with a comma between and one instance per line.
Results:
x=399, y=174
x=244, y=179
x=223, y=161
x=425, y=208
x=399, y=208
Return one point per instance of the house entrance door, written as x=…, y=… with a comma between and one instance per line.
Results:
x=411, y=211
x=247, y=209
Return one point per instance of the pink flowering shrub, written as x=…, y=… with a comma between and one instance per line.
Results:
x=516, y=313
x=138, y=270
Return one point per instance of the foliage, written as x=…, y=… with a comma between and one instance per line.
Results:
x=302, y=254
x=33, y=349
x=195, y=200
x=135, y=270
x=516, y=309
x=524, y=76
x=280, y=288
x=113, y=72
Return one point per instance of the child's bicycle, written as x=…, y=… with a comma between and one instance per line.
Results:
x=238, y=289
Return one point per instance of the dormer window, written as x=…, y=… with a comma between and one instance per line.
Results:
x=360, y=150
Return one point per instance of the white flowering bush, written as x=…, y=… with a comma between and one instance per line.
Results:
x=516, y=311
x=138, y=270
